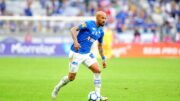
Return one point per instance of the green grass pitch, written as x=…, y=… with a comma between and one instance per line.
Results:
x=129, y=79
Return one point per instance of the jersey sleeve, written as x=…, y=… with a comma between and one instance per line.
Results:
x=100, y=40
x=83, y=25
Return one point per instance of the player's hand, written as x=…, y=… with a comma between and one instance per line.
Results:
x=76, y=46
x=104, y=63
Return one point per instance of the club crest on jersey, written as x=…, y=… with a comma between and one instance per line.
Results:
x=83, y=25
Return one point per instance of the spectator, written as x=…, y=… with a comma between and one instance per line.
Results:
x=43, y=3
x=174, y=10
x=119, y=26
x=166, y=29
x=150, y=16
x=122, y=15
x=52, y=7
x=28, y=10
x=178, y=32
x=137, y=36
x=2, y=7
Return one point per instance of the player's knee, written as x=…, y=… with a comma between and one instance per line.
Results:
x=72, y=77
x=95, y=69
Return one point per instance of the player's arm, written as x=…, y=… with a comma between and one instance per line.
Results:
x=74, y=32
x=100, y=48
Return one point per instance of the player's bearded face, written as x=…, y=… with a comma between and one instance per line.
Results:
x=102, y=20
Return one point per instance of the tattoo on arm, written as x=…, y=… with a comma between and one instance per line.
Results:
x=74, y=31
x=77, y=29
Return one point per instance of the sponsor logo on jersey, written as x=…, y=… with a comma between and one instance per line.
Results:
x=91, y=39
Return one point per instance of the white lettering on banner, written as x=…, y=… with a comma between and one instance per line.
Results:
x=40, y=49
x=2, y=48
x=151, y=50
x=170, y=50
x=158, y=51
x=121, y=51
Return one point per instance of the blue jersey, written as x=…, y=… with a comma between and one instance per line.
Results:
x=88, y=33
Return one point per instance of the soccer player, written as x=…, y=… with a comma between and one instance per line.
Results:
x=84, y=36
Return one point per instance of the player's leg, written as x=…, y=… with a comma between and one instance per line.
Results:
x=73, y=68
x=71, y=76
x=97, y=77
x=97, y=80
x=64, y=81
x=92, y=63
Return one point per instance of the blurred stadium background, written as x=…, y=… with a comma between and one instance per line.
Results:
x=142, y=42
x=147, y=24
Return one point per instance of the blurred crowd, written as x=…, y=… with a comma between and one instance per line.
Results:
x=158, y=17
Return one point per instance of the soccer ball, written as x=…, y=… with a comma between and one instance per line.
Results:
x=93, y=96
